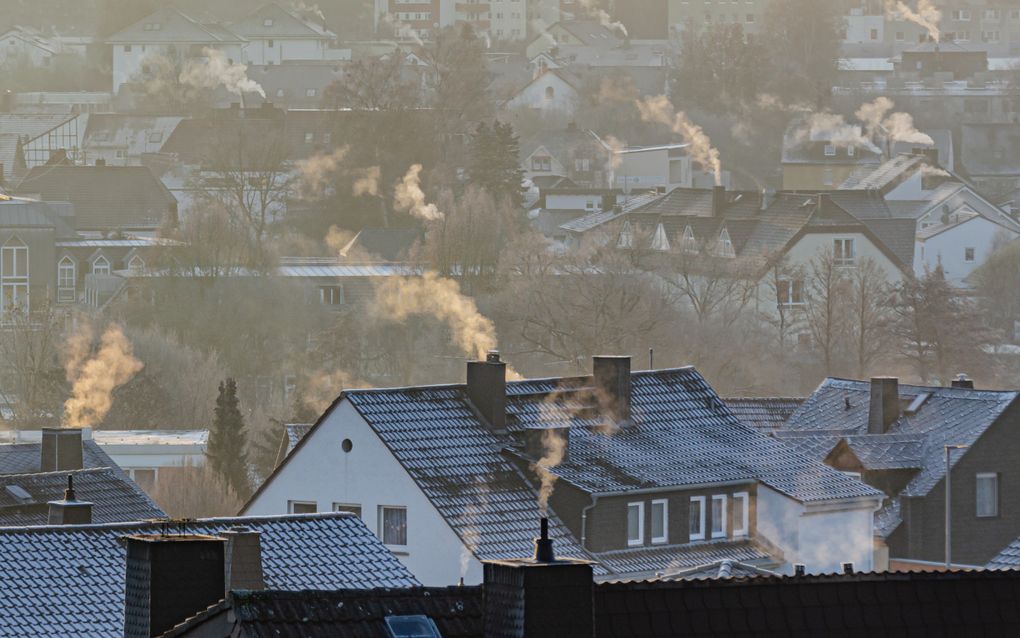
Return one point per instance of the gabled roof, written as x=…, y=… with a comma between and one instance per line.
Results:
x=885, y=175
x=104, y=197
x=284, y=24
x=31, y=125
x=764, y=414
x=170, y=25
x=133, y=134
x=1008, y=558
x=114, y=497
x=688, y=556
x=24, y=458
x=69, y=580
x=719, y=569
x=591, y=32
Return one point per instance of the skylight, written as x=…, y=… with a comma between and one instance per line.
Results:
x=411, y=627
x=916, y=404
x=19, y=493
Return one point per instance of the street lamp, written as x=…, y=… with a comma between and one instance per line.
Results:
x=949, y=505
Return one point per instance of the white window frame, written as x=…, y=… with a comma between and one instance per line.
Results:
x=660, y=540
x=382, y=530
x=743, y=515
x=337, y=506
x=788, y=283
x=699, y=536
x=830, y=150
x=840, y=257
x=291, y=504
x=106, y=268
x=640, y=540
x=15, y=284
x=720, y=498
x=984, y=476
x=65, y=264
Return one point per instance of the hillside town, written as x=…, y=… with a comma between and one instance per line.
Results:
x=509, y=318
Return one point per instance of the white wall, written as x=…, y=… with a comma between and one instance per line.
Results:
x=858, y=29
x=564, y=99
x=949, y=248
x=368, y=476
x=813, y=244
x=14, y=48
x=574, y=202
x=258, y=51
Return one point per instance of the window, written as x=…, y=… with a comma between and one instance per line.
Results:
x=968, y=254
x=155, y=137
x=660, y=521
x=65, y=280
x=987, y=495
x=830, y=150
x=962, y=15
x=541, y=163
x=144, y=478
x=309, y=138
x=136, y=264
x=302, y=507
x=635, y=524
x=749, y=18
x=992, y=14
x=843, y=251
x=582, y=165
x=411, y=627
x=874, y=34
x=900, y=36
x=690, y=244
x=626, y=239
x=268, y=22
x=393, y=525
x=718, y=515
x=15, y=276
x=790, y=292
x=127, y=48
x=270, y=44
x=311, y=92
x=827, y=177
x=101, y=266
x=851, y=150
x=331, y=295
x=345, y=507
x=327, y=138
x=550, y=93
x=696, y=518
x=740, y=514
x=726, y=244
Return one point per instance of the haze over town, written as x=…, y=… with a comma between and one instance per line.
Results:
x=709, y=290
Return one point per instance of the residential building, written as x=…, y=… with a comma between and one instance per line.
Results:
x=288, y=553
x=444, y=476
x=122, y=140
x=989, y=157
x=32, y=139
x=498, y=19
x=814, y=161
x=575, y=33
x=274, y=34
x=894, y=436
x=148, y=456
x=690, y=17
x=553, y=92
x=62, y=102
x=26, y=46
x=576, y=154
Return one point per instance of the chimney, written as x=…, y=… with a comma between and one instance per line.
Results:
x=70, y=511
x=243, y=559
x=486, y=389
x=962, y=381
x=718, y=201
x=539, y=597
x=848, y=568
x=611, y=377
x=799, y=569
x=885, y=404
x=61, y=450
x=170, y=579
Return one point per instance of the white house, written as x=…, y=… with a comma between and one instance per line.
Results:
x=22, y=45
x=445, y=476
x=275, y=35
x=552, y=92
x=959, y=245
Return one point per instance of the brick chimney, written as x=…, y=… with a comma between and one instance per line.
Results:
x=243, y=559
x=486, y=389
x=61, y=450
x=539, y=597
x=170, y=579
x=885, y=404
x=718, y=201
x=611, y=377
x=70, y=511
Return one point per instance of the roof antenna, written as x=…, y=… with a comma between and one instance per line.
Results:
x=69, y=492
x=651, y=359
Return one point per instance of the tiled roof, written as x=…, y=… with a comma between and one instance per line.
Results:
x=284, y=24
x=114, y=497
x=68, y=581
x=456, y=611
x=946, y=416
x=884, y=175
x=1008, y=558
x=898, y=235
x=672, y=558
x=719, y=569
x=24, y=458
x=765, y=414
x=296, y=432
x=174, y=27
x=875, y=451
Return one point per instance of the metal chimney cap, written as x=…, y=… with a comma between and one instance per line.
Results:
x=544, y=552
x=492, y=356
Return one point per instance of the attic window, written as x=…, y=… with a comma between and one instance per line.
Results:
x=916, y=404
x=690, y=244
x=19, y=493
x=626, y=239
x=268, y=22
x=830, y=150
x=411, y=627
x=725, y=244
x=851, y=150
x=660, y=241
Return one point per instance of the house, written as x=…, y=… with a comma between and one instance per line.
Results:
x=688, y=19
x=554, y=92
x=168, y=32
x=21, y=45
x=570, y=152
x=548, y=596
x=578, y=33
x=394, y=245
x=287, y=553
x=894, y=436
x=274, y=34
x=814, y=161
x=765, y=414
x=445, y=475
x=989, y=156
x=31, y=139
x=122, y=140
x=105, y=198
x=149, y=455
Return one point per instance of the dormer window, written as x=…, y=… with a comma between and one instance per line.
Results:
x=725, y=248
x=851, y=150
x=136, y=264
x=268, y=22
x=550, y=93
x=101, y=266
x=660, y=241
x=635, y=524
x=741, y=509
x=696, y=518
x=718, y=516
x=690, y=244
x=626, y=239
x=844, y=252
x=830, y=150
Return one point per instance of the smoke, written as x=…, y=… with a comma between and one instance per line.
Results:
x=602, y=16
x=366, y=181
x=308, y=9
x=615, y=148
x=617, y=89
x=409, y=197
x=321, y=388
x=95, y=376
x=898, y=127
x=927, y=170
x=401, y=30
x=315, y=174
x=927, y=15
x=554, y=448
x=660, y=109
x=338, y=238
x=215, y=70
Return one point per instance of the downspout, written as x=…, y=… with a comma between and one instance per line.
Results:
x=584, y=521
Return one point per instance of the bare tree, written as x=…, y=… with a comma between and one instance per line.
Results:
x=33, y=376
x=826, y=291
x=784, y=284
x=870, y=315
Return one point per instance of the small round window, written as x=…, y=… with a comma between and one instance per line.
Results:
x=347, y=445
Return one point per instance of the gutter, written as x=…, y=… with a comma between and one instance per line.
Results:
x=584, y=521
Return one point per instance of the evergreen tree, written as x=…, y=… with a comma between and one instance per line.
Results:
x=495, y=159
x=226, y=448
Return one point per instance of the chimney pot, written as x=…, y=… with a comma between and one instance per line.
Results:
x=611, y=376
x=543, y=545
x=486, y=390
x=962, y=381
x=799, y=569
x=884, y=408
x=61, y=450
x=69, y=511
x=848, y=568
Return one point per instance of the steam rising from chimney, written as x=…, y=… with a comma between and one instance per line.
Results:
x=660, y=109
x=898, y=127
x=401, y=29
x=215, y=70
x=409, y=197
x=602, y=16
x=311, y=9
x=94, y=377
x=315, y=173
x=927, y=15
x=554, y=449
x=366, y=181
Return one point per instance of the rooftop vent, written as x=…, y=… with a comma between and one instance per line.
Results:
x=962, y=381
x=718, y=201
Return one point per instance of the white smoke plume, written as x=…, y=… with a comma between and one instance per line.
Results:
x=315, y=173
x=928, y=170
x=402, y=30
x=94, y=377
x=554, y=448
x=321, y=388
x=615, y=89
x=927, y=15
x=409, y=197
x=308, y=9
x=616, y=146
x=214, y=69
x=366, y=181
x=660, y=109
x=603, y=17
x=898, y=127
